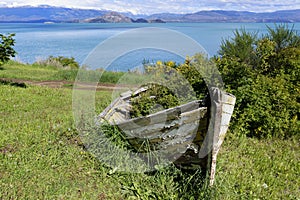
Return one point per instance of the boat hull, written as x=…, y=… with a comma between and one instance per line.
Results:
x=189, y=135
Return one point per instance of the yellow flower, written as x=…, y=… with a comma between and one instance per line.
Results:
x=159, y=62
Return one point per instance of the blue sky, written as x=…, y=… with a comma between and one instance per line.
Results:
x=158, y=6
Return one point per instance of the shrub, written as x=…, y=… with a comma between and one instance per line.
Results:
x=265, y=81
x=156, y=98
x=240, y=47
x=266, y=107
x=173, y=84
x=6, y=47
x=60, y=62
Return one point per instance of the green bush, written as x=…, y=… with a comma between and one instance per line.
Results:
x=173, y=84
x=156, y=98
x=60, y=62
x=266, y=107
x=6, y=47
x=264, y=76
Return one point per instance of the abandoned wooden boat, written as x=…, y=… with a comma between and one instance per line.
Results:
x=190, y=135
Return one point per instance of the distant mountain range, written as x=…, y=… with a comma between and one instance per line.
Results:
x=59, y=14
x=232, y=16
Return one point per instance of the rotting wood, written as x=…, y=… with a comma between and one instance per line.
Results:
x=191, y=133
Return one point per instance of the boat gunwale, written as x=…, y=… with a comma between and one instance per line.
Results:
x=165, y=111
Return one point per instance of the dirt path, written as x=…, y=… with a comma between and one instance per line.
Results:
x=67, y=84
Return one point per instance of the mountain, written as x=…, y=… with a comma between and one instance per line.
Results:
x=59, y=14
x=112, y=17
x=46, y=13
x=231, y=16
x=115, y=17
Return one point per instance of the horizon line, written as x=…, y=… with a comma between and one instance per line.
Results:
x=178, y=13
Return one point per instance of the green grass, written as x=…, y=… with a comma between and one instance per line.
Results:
x=249, y=168
x=41, y=157
x=16, y=70
x=39, y=153
x=36, y=72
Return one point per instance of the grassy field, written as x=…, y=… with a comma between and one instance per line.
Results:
x=35, y=72
x=42, y=157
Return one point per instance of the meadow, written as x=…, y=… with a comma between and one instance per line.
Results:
x=42, y=156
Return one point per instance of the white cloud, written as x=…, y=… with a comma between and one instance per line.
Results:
x=158, y=6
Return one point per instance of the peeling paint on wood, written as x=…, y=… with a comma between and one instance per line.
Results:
x=192, y=131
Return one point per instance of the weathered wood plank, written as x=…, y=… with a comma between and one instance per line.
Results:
x=180, y=132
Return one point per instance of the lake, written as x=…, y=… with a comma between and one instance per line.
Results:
x=35, y=41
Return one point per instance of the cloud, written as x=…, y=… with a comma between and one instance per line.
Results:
x=158, y=6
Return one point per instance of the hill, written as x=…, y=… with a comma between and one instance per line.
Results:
x=115, y=17
x=231, y=16
x=46, y=13
x=60, y=14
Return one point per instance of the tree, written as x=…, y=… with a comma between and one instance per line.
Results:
x=6, y=47
x=283, y=36
x=241, y=46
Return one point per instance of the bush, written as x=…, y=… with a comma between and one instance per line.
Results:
x=173, y=85
x=156, y=98
x=6, y=47
x=60, y=62
x=266, y=107
x=265, y=81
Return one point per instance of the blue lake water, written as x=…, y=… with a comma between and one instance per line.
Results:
x=38, y=41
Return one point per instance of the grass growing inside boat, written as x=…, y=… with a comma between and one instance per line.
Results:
x=42, y=157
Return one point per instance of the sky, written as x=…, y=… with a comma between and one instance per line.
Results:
x=160, y=6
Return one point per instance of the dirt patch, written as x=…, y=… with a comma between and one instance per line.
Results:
x=68, y=84
x=8, y=149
